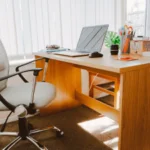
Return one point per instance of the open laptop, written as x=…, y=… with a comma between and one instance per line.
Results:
x=91, y=40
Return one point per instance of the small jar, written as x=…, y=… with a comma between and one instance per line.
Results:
x=114, y=49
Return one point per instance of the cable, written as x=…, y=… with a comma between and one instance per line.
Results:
x=4, y=125
x=93, y=81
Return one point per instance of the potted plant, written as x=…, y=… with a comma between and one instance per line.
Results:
x=112, y=41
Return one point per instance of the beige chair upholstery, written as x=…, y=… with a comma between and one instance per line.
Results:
x=21, y=94
x=4, y=65
x=44, y=92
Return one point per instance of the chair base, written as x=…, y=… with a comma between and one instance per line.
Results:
x=25, y=133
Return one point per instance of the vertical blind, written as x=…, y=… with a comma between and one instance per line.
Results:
x=27, y=26
x=147, y=22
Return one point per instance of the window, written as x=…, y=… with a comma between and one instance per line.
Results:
x=136, y=10
x=27, y=26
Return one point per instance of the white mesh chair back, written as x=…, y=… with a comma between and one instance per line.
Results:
x=4, y=66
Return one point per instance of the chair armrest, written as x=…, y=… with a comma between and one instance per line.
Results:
x=35, y=73
x=17, y=68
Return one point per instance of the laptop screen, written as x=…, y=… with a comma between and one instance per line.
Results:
x=92, y=38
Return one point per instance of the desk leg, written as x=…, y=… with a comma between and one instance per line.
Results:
x=67, y=79
x=135, y=110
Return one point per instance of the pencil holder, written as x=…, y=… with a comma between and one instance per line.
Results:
x=122, y=42
x=125, y=43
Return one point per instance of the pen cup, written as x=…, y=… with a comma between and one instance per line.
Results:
x=122, y=42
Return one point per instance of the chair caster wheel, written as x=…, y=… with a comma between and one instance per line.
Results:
x=59, y=133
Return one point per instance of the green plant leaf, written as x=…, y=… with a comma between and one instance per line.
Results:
x=111, y=39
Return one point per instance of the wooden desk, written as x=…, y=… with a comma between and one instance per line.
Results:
x=134, y=76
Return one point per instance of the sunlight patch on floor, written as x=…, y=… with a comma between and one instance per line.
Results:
x=109, y=129
x=104, y=129
x=112, y=143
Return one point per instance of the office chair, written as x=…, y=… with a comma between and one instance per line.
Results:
x=24, y=99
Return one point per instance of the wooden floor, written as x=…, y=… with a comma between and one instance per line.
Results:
x=84, y=130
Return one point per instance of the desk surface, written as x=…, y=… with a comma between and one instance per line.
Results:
x=107, y=62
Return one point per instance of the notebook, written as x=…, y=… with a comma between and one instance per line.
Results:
x=91, y=40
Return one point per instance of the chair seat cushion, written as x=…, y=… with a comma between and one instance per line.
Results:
x=44, y=94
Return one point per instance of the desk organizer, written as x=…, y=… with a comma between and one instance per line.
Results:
x=138, y=46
